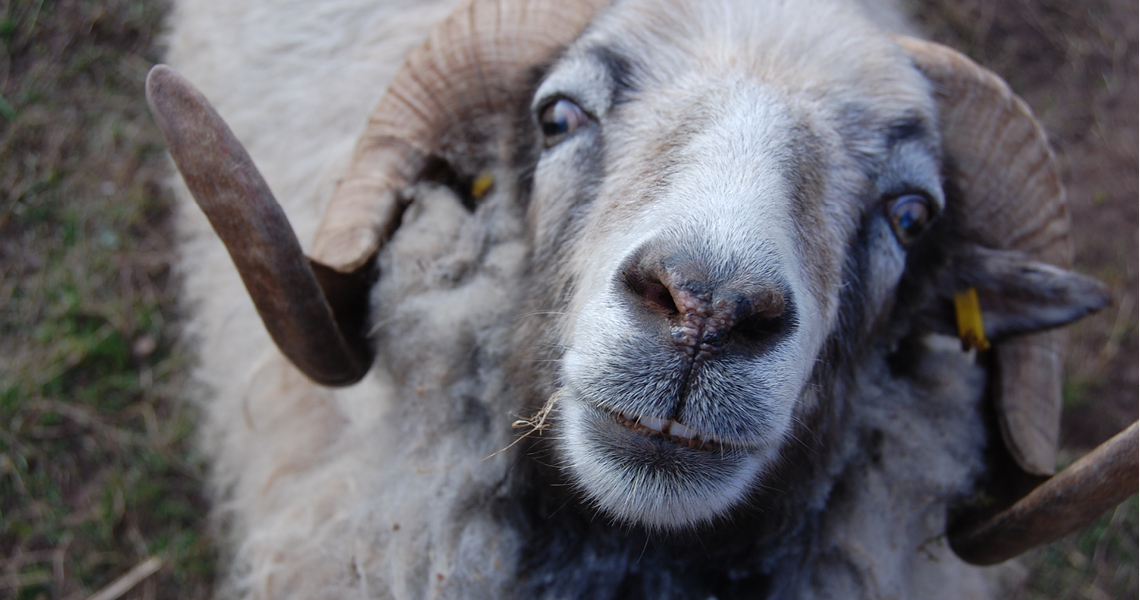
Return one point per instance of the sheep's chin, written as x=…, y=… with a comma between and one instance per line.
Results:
x=652, y=480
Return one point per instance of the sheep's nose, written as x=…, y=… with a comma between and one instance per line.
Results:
x=707, y=307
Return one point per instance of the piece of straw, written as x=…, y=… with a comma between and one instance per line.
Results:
x=124, y=584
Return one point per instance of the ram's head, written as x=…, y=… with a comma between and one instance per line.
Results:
x=724, y=215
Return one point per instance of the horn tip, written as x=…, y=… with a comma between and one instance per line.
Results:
x=168, y=94
x=158, y=75
x=346, y=250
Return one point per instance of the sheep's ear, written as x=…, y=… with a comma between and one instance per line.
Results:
x=1006, y=298
x=997, y=158
x=1017, y=295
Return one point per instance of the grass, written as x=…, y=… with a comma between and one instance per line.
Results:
x=97, y=467
x=1096, y=563
x=97, y=471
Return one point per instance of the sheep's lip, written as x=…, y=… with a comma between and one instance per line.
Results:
x=679, y=433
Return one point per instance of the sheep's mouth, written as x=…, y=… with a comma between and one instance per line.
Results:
x=669, y=429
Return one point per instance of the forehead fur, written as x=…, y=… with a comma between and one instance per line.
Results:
x=802, y=47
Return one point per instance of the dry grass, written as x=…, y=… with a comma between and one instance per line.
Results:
x=97, y=471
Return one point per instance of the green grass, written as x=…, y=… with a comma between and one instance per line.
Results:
x=1095, y=563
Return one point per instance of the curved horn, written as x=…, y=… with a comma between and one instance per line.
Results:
x=1066, y=502
x=1001, y=161
x=478, y=60
x=227, y=186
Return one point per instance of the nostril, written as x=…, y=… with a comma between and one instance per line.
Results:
x=652, y=291
x=765, y=314
x=758, y=327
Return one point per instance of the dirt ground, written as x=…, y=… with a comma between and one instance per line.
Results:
x=97, y=468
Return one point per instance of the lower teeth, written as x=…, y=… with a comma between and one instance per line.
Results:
x=694, y=443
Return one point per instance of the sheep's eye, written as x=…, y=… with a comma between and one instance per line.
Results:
x=560, y=119
x=910, y=214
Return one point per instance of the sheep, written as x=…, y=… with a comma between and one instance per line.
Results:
x=706, y=254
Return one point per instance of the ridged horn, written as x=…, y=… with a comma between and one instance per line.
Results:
x=476, y=61
x=292, y=296
x=1012, y=192
x=1066, y=502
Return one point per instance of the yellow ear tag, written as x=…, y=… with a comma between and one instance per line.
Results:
x=482, y=184
x=970, y=328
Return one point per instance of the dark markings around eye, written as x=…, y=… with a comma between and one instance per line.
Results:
x=619, y=71
x=905, y=129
